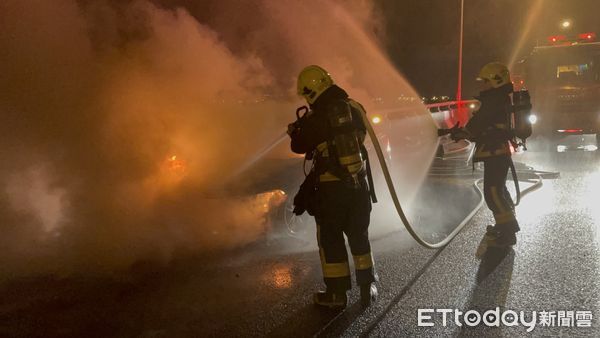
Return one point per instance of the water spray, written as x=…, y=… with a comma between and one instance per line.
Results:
x=260, y=154
x=301, y=112
x=398, y=206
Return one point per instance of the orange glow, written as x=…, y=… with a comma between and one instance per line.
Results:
x=270, y=199
x=280, y=277
x=176, y=166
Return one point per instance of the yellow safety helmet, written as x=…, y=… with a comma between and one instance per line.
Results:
x=312, y=82
x=496, y=73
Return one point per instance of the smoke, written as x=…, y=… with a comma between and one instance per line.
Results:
x=119, y=120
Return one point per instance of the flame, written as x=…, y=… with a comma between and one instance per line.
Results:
x=172, y=170
x=270, y=199
x=176, y=166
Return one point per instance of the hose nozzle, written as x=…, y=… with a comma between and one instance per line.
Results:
x=442, y=132
x=456, y=132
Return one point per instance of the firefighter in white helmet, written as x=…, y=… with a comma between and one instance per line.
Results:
x=336, y=191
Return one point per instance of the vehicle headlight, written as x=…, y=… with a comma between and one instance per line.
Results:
x=532, y=119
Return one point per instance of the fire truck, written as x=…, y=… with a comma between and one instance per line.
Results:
x=563, y=77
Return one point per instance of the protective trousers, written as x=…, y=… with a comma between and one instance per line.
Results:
x=344, y=210
x=497, y=197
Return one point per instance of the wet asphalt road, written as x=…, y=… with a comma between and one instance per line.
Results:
x=265, y=288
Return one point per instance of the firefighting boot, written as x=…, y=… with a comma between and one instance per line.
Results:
x=489, y=237
x=368, y=294
x=504, y=239
x=331, y=299
x=504, y=235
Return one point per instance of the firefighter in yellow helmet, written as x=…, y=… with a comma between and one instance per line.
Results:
x=336, y=191
x=490, y=129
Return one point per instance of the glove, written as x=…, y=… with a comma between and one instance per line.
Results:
x=459, y=134
x=306, y=196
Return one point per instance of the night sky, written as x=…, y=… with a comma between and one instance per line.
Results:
x=422, y=36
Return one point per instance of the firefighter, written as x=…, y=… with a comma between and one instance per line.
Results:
x=336, y=190
x=490, y=129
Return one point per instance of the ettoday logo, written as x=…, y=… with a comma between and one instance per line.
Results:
x=496, y=318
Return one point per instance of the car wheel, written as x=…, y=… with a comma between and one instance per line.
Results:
x=292, y=224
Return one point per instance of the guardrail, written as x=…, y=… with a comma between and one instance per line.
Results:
x=450, y=105
x=445, y=113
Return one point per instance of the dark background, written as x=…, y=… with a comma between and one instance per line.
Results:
x=422, y=36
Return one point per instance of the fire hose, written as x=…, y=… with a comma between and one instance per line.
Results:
x=398, y=206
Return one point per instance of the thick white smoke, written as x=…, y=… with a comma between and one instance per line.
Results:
x=119, y=120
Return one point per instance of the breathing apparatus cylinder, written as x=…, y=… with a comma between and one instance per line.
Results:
x=345, y=145
x=522, y=110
